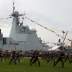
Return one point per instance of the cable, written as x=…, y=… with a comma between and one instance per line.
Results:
x=46, y=28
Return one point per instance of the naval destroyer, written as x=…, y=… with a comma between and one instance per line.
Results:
x=21, y=37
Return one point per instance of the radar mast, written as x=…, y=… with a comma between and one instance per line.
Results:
x=13, y=6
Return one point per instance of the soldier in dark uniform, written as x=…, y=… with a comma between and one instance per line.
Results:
x=68, y=57
x=6, y=55
x=18, y=57
x=35, y=58
x=1, y=55
x=13, y=57
x=60, y=59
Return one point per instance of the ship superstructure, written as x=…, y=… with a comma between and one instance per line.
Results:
x=21, y=37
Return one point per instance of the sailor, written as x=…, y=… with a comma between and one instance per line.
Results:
x=34, y=58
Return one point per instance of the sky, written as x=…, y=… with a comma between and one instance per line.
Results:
x=54, y=14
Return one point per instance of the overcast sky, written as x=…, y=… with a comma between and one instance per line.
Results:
x=54, y=14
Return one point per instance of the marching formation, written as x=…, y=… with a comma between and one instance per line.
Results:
x=16, y=57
